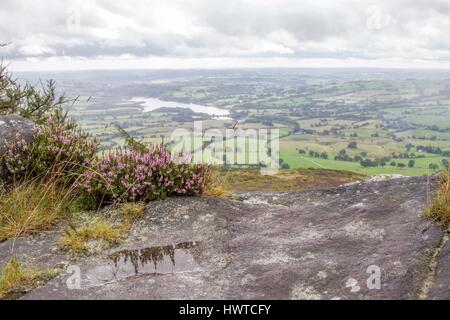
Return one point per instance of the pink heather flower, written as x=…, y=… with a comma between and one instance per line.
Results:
x=145, y=176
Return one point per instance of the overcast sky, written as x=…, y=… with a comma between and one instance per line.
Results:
x=102, y=34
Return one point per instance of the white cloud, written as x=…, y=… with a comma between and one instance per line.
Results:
x=35, y=50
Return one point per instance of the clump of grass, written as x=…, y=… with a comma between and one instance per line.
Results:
x=15, y=278
x=77, y=240
x=132, y=211
x=216, y=184
x=31, y=207
x=439, y=209
x=101, y=229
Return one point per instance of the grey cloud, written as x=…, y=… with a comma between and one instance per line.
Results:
x=187, y=28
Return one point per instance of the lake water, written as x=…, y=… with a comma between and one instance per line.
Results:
x=151, y=104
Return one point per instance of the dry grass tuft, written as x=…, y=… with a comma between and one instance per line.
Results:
x=132, y=211
x=439, y=210
x=76, y=239
x=217, y=184
x=32, y=207
x=16, y=279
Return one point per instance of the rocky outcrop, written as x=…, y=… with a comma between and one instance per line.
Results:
x=363, y=241
x=10, y=126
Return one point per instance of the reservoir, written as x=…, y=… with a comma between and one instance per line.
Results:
x=151, y=104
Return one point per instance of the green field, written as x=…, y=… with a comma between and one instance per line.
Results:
x=297, y=161
x=388, y=114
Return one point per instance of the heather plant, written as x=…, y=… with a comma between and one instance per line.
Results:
x=132, y=175
x=58, y=146
x=58, y=149
x=61, y=152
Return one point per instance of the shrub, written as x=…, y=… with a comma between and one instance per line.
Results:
x=58, y=148
x=353, y=145
x=36, y=104
x=132, y=175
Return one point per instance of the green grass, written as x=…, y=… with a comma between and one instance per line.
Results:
x=430, y=120
x=421, y=133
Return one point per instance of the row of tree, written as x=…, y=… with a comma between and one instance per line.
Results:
x=367, y=162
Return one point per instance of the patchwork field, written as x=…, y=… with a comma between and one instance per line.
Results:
x=365, y=121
